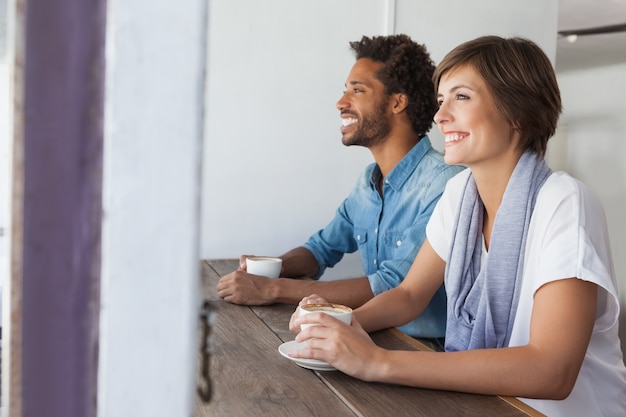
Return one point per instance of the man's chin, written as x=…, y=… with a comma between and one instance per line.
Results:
x=349, y=141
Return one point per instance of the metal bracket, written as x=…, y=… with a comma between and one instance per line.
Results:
x=207, y=318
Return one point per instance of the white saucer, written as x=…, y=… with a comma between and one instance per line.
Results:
x=314, y=364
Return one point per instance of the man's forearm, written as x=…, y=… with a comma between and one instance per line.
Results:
x=352, y=292
x=299, y=262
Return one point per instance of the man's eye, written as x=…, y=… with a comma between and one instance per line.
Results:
x=357, y=90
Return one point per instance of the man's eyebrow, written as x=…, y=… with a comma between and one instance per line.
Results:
x=357, y=82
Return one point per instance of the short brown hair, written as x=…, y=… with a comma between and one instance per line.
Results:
x=521, y=79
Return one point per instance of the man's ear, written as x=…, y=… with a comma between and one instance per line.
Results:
x=400, y=102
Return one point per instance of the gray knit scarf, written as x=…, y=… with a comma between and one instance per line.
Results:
x=482, y=303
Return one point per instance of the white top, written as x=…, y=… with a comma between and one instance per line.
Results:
x=567, y=238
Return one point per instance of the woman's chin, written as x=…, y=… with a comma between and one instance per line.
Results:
x=451, y=159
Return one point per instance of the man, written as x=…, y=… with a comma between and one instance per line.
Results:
x=388, y=107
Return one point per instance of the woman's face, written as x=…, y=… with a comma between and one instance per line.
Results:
x=475, y=131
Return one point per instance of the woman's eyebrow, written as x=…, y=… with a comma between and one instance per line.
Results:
x=455, y=88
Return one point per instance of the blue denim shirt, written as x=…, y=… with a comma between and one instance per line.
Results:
x=389, y=232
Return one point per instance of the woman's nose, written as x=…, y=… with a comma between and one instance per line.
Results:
x=442, y=115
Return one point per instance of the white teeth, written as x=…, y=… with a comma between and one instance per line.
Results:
x=453, y=137
x=348, y=122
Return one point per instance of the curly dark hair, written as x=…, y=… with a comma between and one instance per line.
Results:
x=407, y=69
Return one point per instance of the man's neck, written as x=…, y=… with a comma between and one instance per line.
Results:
x=388, y=154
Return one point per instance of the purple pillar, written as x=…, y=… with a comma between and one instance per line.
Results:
x=63, y=131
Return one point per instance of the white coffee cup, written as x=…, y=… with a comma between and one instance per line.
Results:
x=264, y=265
x=341, y=312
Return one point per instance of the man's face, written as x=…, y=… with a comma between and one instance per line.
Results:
x=364, y=106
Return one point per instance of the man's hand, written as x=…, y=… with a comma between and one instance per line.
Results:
x=239, y=287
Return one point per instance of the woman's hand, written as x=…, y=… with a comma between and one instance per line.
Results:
x=311, y=299
x=346, y=347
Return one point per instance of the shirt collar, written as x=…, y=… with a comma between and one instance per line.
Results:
x=402, y=171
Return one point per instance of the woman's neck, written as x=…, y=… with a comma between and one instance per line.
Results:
x=492, y=179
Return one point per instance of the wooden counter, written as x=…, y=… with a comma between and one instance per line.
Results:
x=251, y=378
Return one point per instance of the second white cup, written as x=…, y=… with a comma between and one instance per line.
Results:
x=264, y=265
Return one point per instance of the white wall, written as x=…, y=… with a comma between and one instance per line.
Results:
x=156, y=52
x=592, y=147
x=275, y=168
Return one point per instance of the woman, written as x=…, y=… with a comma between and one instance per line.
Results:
x=524, y=254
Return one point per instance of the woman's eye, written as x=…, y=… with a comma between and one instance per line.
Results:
x=462, y=97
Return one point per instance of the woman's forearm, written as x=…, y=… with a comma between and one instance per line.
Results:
x=404, y=303
x=519, y=372
x=392, y=308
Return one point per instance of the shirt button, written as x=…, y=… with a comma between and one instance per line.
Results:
x=376, y=230
x=358, y=237
x=399, y=242
x=375, y=262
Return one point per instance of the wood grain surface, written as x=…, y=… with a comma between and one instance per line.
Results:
x=250, y=377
